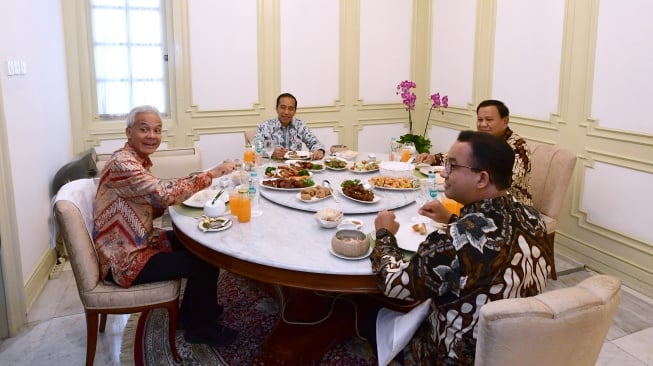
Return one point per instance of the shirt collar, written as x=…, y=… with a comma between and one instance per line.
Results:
x=147, y=162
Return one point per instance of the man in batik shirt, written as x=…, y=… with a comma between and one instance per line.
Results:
x=496, y=249
x=288, y=132
x=492, y=116
x=131, y=251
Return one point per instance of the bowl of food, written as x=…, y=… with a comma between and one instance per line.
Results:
x=395, y=169
x=240, y=176
x=328, y=217
x=350, y=243
x=337, y=148
x=348, y=154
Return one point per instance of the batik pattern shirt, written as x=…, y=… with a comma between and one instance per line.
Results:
x=496, y=249
x=128, y=199
x=521, y=170
x=290, y=137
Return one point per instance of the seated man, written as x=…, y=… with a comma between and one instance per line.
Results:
x=496, y=249
x=492, y=116
x=132, y=251
x=289, y=132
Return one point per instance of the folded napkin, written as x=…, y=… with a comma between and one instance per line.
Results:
x=394, y=330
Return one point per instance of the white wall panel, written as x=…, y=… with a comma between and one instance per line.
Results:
x=442, y=138
x=218, y=147
x=527, y=56
x=223, y=53
x=452, y=40
x=623, y=82
x=309, y=50
x=385, y=35
x=616, y=209
x=376, y=138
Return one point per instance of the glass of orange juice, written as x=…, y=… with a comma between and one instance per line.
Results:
x=244, y=207
x=249, y=155
x=234, y=202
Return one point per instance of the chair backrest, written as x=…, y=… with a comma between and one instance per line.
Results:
x=80, y=248
x=167, y=163
x=249, y=135
x=561, y=327
x=551, y=171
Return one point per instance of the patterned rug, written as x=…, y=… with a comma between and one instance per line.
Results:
x=250, y=310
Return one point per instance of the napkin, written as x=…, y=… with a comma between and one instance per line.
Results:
x=394, y=330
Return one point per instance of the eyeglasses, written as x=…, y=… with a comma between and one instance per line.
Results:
x=449, y=166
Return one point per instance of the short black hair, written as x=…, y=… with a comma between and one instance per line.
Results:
x=503, y=109
x=491, y=154
x=286, y=95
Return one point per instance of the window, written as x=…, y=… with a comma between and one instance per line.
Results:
x=128, y=55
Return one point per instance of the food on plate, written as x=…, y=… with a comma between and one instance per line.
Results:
x=392, y=182
x=420, y=228
x=306, y=165
x=318, y=192
x=286, y=171
x=329, y=214
x=334, y=163
x=288, y=183
x=214, y=222
x=354, y=189
x=365, y=166
x=297, y=154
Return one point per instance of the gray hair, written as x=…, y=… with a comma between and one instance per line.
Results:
x=131, y=118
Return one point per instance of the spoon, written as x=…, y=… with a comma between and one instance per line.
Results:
x=326, y=184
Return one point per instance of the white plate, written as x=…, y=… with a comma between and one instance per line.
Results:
x=357, y=224
x=300, y=154
x=227, y=226
x=396, y=189
x=351, y=258
x=376, y=199
x=282, y=189
x=431, y=168
x=409, y=239
x=199, y=199
x=312, y=200
x=336, y=158
x=276, y=171
x=361, y=170
x=318, y=162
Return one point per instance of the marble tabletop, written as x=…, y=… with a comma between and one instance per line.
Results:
x=287, y=236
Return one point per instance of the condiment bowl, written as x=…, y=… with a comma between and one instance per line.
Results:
x=214, y=209
x=328, y=217
x=350, y=243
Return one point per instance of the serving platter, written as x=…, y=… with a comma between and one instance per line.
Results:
x=312, y=200
x=376, y=199
x=283, y=189
x=360, y=167
x=414, y=184
x=345, y=162
x=315, y=163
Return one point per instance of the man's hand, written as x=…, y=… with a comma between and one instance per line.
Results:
x=222, y=169
x=436, y=211
x=386, y=220
x=279, y=152
x=424, y=158
x=317, y=154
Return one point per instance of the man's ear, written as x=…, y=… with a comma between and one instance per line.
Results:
x=483, y=179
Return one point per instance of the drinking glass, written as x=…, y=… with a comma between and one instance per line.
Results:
x=407, y=151
x=268, y=147
x=423, y=196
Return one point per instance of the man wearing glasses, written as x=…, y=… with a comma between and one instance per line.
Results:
x=492, y=116
x=497, y=248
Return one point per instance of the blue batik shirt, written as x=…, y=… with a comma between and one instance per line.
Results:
x=290, y=137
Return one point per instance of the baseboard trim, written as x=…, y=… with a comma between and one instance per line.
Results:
x=39, y=277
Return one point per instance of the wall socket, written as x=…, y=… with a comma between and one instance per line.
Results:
x=16, y=67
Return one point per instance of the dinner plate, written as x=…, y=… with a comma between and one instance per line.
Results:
x=312, y=200
x=317, y=162
x=351, y=258
x=409, y=239
x=281, y=189
x=298, y=155
x=376, y=199
x=431, y=169
x=199, y=199
x=396, y=189
x=222, y=228
x=358, y=167
x=276, y=171
x=336, y=158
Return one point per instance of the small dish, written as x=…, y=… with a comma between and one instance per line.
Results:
x=335, y=163
x=376, y=198
x=297, y=155
x=328, y=217
x=312, y=200
x=351, y=258
x=350, y=243
x=355, y=224
x=222, y=223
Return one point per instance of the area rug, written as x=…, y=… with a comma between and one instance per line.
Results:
x=251, y=310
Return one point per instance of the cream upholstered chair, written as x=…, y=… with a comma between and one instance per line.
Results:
x=167, y=163
x=561, y=327
x=74, y=213
x=249, y=135
x=551, y=171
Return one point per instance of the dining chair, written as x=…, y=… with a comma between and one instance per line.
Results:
x=560, y=327
x=551, y=171
x=74, y=214
x=167, y=163
x=249, y=135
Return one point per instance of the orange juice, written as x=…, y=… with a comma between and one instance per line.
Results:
x=405, y=155
x=244, y=208
x=249, y=156
x=451, y=205
x=234, y=203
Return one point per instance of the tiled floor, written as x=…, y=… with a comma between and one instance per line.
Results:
x=56, y=333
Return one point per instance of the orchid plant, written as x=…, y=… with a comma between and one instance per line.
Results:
x=422, y=144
